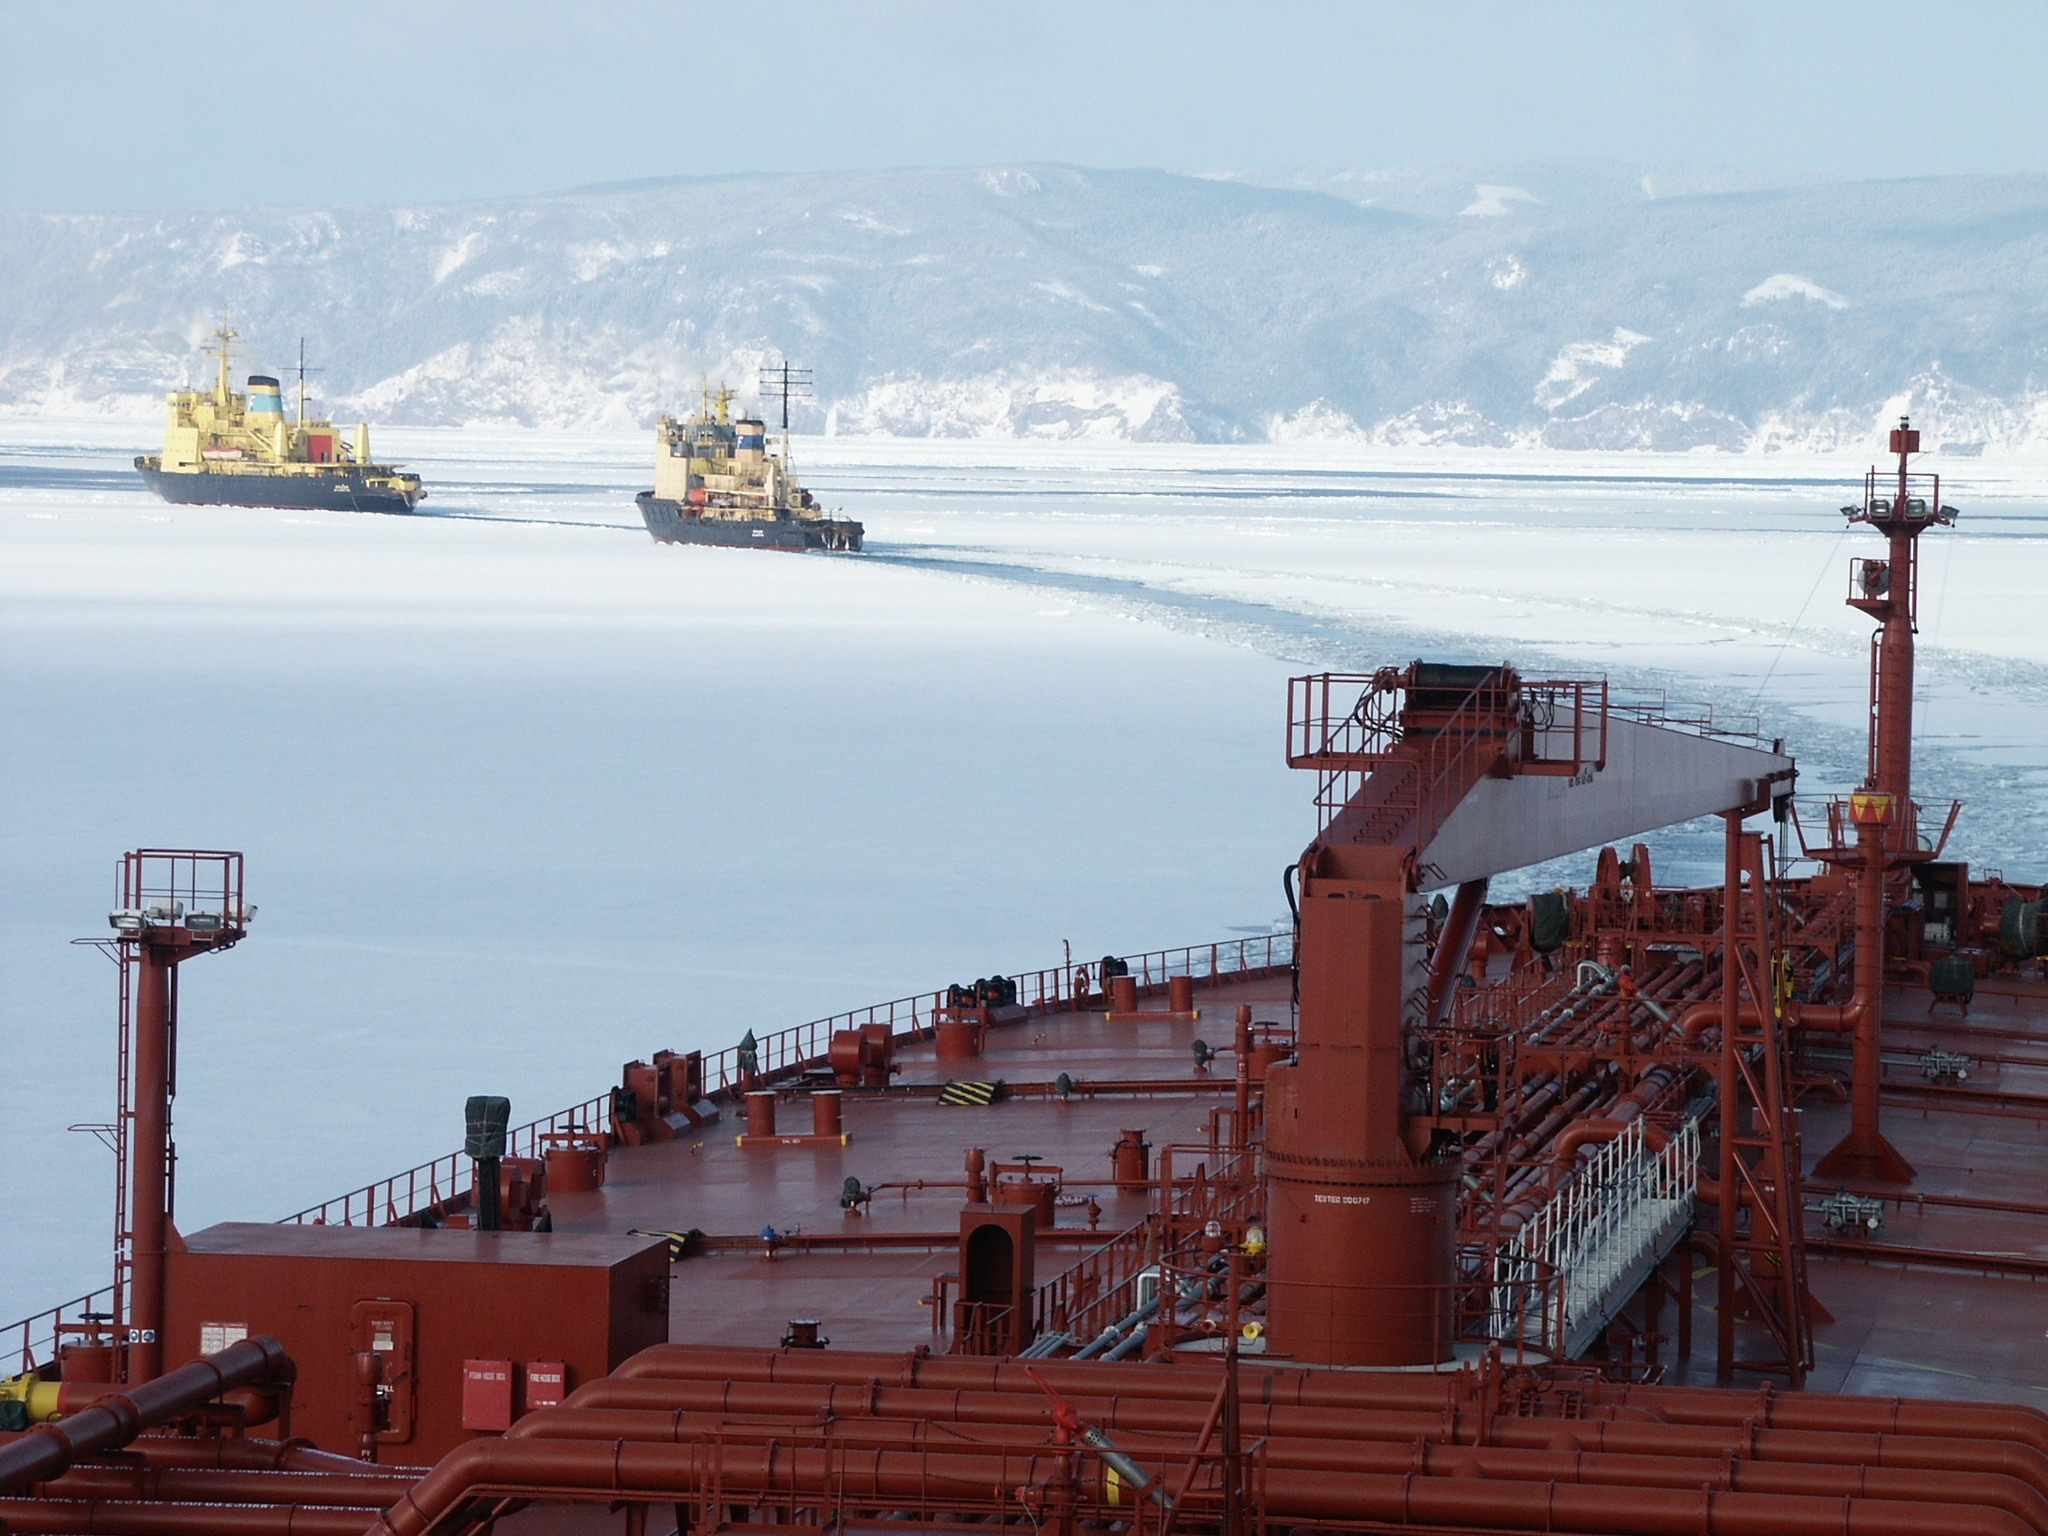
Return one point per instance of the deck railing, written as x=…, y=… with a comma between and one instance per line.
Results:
x=788, y=1053
x=1651, y=706
x=443, y=1182
x=1097, y=1289
x=33, y=1341
x=1552, y=726
x=446, y=1179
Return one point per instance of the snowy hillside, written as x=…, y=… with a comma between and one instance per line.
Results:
x=1566, y=307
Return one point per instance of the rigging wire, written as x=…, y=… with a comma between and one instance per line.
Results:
x=1793, y=628
x=1920, y=678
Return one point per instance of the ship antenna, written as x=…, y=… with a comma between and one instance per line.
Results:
x=303, y=371
x=790, y=383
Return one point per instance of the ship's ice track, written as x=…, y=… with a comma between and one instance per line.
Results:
x=530, y=522
x=1999, y=780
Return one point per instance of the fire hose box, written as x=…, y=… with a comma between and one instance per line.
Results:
x=546, y=1384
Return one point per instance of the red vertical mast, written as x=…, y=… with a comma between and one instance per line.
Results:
x=1887, y=821
x=173, y=904
x=1900, y=511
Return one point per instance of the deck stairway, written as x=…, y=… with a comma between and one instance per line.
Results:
x=1569, y=1271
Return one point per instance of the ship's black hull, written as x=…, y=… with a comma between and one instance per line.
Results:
x=343, y=490
x=672, y=523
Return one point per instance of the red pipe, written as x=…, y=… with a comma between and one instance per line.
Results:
x=1476, y=1502
x=1581, y=1134
x=1159, y=1416
x=1987, y=1437
x=1928, y=1453
x=1582, y=1099
x=1335, y=1456
x=584, y=1471
x=1453, y=943
x=374, y=1488
x=45, y=1451
x=1183, y=1381
x=1827, y=1018
x=775, y=1473
x=1836, y=1411
x=88, y=1517
x=1193, y=1380
x=1592, y=1469
x=1619, y=1113
x=1703, y=1406
x=257, y=1405
x=247, y=1455
x=1351, y=1421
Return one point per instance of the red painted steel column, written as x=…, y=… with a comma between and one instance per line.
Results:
x=1864, y=1153
x=1241, y=1055
x=1895, y=660
x=1360, y=1227
x=1731, y=1013
x=149, y=1159
x=1453, y=944
x=1893, y=754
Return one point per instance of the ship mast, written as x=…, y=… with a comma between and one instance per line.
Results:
x=223, y=336
x=303, y=371
x=1886, y=819
x=790, y=383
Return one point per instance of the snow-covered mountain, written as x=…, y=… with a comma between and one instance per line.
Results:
x=1596, y=307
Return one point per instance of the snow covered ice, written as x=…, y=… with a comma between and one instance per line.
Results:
x=525, y=796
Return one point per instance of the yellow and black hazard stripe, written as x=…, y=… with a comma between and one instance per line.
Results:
x=979, y=1094
x=678, y=1242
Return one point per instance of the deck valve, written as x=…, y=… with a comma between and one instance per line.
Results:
x=1126, y=1471
x=1843, y=1210
x=1946, y=1067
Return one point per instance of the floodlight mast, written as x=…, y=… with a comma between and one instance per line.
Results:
x=171, y=904
x=1890, y=593
x=1885, y=819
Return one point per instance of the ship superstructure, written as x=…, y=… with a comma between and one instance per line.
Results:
x=223, y=448
x=1431, y=1213
x=716, y=482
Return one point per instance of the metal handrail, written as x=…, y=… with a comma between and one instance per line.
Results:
x=1651, y=706
x=1370, y=735
x=36, y=1337
x=1096, y=1289
x=783, y=1054
x=1598, y=1224
x=1100, y=1287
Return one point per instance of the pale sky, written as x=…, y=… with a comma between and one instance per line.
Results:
x=110, y=104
